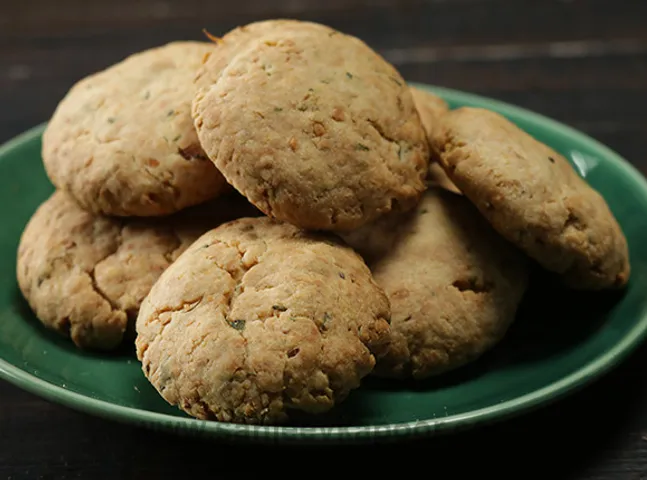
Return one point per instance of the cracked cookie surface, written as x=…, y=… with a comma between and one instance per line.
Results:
x=453, y=283
x=122, y=141
x=313, y=127
x=533, y=197
x=85, y=276
x=258, y=318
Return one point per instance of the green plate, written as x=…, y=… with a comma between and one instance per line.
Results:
x=560, y=341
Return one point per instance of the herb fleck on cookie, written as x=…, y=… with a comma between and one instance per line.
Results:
x=238, y=324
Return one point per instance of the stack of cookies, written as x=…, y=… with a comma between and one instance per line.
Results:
x=274, y=215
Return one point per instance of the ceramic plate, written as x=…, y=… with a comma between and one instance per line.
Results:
x=560, y=341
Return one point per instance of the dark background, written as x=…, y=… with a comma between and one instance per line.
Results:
x=582, y=62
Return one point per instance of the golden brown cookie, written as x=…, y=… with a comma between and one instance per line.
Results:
x=438, y=178
x=534, y=198
x=239, y=38
x=85, y=276
x=453, y=283
x=430, y=108
x=122, y=141
x=257, y=319
x=313, y=127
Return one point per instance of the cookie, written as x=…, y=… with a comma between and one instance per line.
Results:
x=314, y=128
x=239, y=38
x=122, y=141
x=258, y=319
x=438, y=178
x=533, y=197
x=430, y=108
x=85, y=276
x=454, y=284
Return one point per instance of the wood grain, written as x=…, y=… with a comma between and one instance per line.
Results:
x=583, y=62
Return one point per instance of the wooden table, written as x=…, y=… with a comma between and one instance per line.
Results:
x=583, y=62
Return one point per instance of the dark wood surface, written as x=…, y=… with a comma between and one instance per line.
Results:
x=583, y=62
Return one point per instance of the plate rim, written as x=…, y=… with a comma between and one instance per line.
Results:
x=549, y=393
